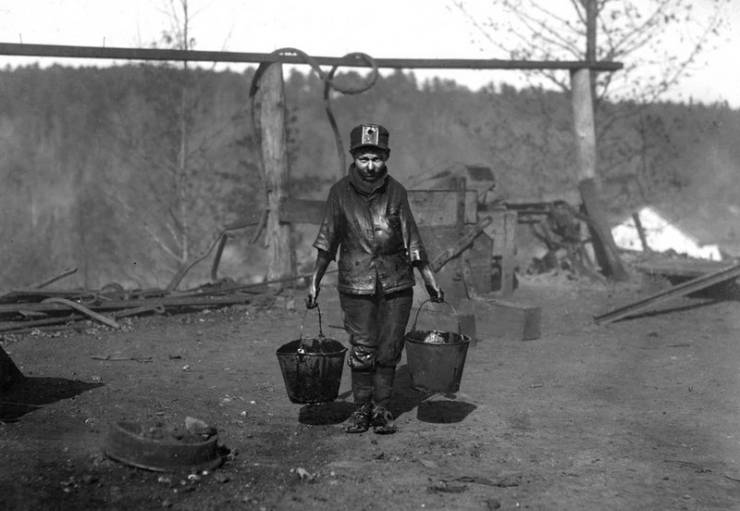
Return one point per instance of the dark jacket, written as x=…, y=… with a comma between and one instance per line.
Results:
x=375, y=231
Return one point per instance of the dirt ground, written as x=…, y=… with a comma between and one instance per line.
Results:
x=639, y=414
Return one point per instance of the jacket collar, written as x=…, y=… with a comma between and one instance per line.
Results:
x=364, y=187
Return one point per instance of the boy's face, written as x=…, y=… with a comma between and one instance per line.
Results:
x=370, y=163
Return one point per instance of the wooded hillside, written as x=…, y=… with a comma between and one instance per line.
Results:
x=126, y=172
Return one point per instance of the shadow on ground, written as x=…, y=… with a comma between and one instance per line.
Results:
x=33, y=392
x=430, y=407
x=324, y=414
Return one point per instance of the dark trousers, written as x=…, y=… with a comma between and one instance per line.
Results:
x=376, y=325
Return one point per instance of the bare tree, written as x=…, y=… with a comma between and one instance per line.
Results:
x=660, y=42
x=168, y=139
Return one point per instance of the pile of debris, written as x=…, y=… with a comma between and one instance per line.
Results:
x=24, y=310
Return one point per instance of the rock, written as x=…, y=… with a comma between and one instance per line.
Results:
x=222, y=478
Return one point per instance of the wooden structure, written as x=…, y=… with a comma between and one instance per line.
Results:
x=444, y=217
x=272, y=126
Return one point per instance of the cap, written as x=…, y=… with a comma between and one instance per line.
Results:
x=368, y=135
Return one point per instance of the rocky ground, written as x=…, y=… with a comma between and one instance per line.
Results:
x=639, y=414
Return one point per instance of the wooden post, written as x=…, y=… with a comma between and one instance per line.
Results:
x=585, y=134
x=271, y=116
x=641, y=231
x=462, y=271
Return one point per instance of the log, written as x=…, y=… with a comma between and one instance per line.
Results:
x=273, y=142
x=605, y=249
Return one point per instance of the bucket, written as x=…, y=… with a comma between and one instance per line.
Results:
x=312, y=368
x=435, y=366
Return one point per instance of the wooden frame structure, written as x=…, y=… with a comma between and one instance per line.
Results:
x=282, y=210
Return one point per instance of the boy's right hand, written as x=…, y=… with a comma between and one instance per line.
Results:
x=313, y=296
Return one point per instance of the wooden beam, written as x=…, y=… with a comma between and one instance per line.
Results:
x=273, y=142
x=607, y=253
x=641, y=231
x=682, y=289
x=117, y=53
x=583, y=124
x=504, y=246
x=585, y=135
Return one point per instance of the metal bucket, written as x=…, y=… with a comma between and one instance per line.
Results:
x=312, y=368
x=435, y=366
x=128, y=443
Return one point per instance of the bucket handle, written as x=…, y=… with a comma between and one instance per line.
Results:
x=416, y=318
x=303, y=322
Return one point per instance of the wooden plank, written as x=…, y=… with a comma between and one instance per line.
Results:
x=462, y=269
x=508, y=253
x=503, y=232
x=682, y=289
x=682, y=268
x=168, y=301
x=508, y=319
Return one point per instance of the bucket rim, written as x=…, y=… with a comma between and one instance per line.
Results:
x=288, y=349
x=464, y=339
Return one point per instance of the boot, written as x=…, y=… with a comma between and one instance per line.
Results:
x=359, y=421
x=383, y=385
x=362, y=391
x=382, y=421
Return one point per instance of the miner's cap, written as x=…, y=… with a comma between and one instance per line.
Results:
x=368, y=135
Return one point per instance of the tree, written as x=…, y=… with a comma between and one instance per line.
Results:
x=660, y=42
x=175, y=139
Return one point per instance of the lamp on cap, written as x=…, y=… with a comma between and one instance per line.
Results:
x=368, y=135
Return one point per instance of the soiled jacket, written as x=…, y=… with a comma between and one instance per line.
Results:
x=375, y=232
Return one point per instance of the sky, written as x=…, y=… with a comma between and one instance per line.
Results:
x=381, y=28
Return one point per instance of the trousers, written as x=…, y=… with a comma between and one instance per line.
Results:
x=376, y=325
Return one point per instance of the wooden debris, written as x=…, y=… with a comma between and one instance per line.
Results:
x=450, y=253
x=51, y=280
x=81, y=308
x=26, y=309
x=685, y=288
